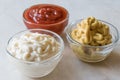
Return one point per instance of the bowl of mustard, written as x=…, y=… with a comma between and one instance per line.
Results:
x=91, y=39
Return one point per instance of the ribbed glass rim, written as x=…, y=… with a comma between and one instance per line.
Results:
x=59, y=53
x=75, y=42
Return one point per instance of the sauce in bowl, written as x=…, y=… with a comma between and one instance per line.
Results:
x=46, y=16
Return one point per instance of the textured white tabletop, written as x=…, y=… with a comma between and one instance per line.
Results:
x=70, y=67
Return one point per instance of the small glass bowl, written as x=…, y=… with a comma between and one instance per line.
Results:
x=57, y=27
x=89, y=53
x=41, y=68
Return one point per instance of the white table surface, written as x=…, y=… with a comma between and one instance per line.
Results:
x=70, y=67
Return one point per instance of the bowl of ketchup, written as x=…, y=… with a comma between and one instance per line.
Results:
x=46, y=16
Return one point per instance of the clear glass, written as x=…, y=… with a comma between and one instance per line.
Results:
x=41, y=68
x=89, y=53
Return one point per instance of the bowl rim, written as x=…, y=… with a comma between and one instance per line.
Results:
x=59, y=54
x=104, y=46
x=29, y=22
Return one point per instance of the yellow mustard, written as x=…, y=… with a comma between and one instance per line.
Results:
x=92, y=32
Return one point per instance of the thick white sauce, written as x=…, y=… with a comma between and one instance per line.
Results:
x=34, y=47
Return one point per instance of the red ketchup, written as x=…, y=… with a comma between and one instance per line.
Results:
x=46, y=16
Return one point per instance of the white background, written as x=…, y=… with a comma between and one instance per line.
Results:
x=70, y=67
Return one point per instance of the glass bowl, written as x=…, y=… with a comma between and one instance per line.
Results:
x=57, y=26
x=39, y=68
x=89, y=53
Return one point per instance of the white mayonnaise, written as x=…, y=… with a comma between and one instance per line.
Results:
x=33, y=47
